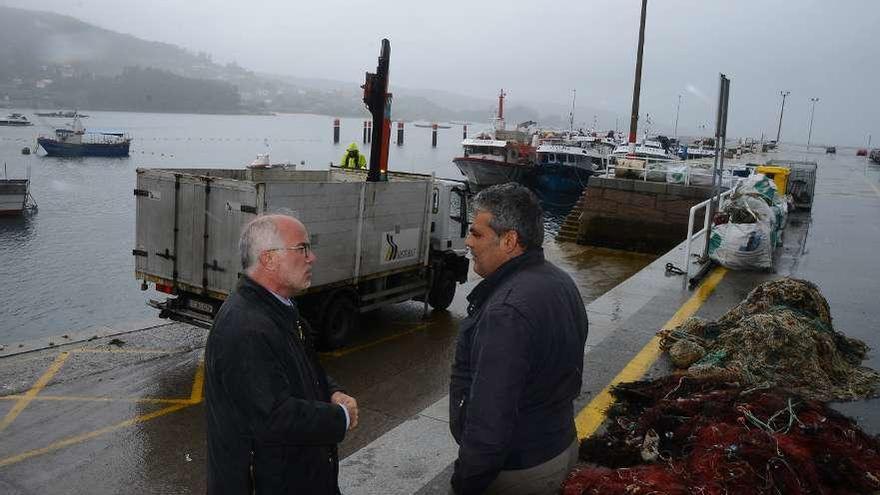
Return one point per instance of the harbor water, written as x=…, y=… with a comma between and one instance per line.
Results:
x=69, y=266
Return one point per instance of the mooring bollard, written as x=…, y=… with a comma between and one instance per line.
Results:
x=464, y=131
x=400, y=133
x=365, y=131
x=433, y=135
x=335, y=131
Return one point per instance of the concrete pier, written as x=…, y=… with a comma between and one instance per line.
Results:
x=118, y=408
x=635, y=215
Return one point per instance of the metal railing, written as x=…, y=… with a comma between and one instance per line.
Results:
x=689, y=165
x=704, y=231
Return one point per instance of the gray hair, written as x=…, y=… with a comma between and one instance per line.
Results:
x=260, y=234
x=513, y=207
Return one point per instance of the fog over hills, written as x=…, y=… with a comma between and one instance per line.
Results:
x=49, y=60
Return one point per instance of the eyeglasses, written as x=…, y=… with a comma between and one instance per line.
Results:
x=306, y=248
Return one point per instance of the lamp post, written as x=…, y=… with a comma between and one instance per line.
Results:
x=812, y=111
x=781, y=110
x=677, y=108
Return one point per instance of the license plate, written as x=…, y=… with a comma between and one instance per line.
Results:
x=200, y=306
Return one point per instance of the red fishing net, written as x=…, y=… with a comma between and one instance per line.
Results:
x=706, y=435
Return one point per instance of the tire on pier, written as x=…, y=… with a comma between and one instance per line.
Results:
x=442, y=290
x=339, y=317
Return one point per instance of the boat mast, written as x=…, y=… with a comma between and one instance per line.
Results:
x=637, y=86
x=499, y=120
x=571, y=112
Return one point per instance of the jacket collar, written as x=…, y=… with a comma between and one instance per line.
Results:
x=248, y=285
x=485, y=288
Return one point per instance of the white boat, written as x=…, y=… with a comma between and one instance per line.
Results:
x=487, y=161
x=496, y=157
x=648, y=150
x=15, y=120
x=699, y=152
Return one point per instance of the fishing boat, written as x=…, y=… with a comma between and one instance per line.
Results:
x=488, y=161
x=650, y=150
x=700, y=148
x=75, y=141
x=15, y=120
x=498, y=156
x=564, y=165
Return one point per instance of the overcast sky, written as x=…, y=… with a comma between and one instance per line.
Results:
x=540, y=51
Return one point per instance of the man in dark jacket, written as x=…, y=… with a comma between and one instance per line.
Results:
x=519, y=357
x=273, y=416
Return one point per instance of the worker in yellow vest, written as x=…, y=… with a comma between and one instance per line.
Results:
x=353, y=158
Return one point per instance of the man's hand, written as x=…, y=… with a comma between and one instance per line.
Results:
x=350, y=405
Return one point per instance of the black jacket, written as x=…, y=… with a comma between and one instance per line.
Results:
x=270, y=425
x=517, y=368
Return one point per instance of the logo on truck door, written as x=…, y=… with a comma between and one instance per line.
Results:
x=400, y=246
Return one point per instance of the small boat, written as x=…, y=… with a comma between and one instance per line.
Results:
x=862, y=152
x=496, y=157
x=75, y=141
x=831, y=149
x=430, y=126
x=875, y=155
x=648, y=150
x=61, y=114
x=15, y=120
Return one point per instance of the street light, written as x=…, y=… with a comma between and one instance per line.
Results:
x=677, y=108
x=781, y=110
x=812, y=111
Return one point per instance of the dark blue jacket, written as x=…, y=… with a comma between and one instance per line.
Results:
x=518, y=367
x=270, y=424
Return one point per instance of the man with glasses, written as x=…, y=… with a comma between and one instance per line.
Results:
x=274, y=417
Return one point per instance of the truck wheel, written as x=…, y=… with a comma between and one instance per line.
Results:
x=442, y=291
x=339, y=320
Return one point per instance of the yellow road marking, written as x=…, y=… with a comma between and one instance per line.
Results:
x=592, y=416
x=196, y=395
x=126, y=351
x=177, y=404
x=34, y=390
x=349, y=350
x=92, y=434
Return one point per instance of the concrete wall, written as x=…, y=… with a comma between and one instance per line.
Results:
x=635, y=215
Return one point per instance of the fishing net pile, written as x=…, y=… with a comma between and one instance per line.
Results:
x=749, y=414
x=684, y=434
x=780, y=336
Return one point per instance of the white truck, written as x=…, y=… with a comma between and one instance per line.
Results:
x=377, y=243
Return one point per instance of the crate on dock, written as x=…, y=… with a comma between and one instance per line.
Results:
x=801, y=181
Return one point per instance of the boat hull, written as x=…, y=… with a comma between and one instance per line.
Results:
x=561, y=179
x=12, y=123
x=484, y=173
x=57, y=148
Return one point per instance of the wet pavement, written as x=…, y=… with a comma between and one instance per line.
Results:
x=84, y=415
x=93, y=417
